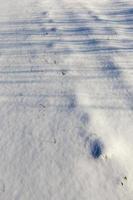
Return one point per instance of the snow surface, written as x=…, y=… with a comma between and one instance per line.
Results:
x=66, y=100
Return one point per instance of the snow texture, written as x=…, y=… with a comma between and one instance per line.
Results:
x=66, y=100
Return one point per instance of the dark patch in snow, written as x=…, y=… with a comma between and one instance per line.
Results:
x=79, y=31
x=50, y=21
x=53, y=29
x=96, y=18
x=93, y=42
x=122, y=183
x=94, y=145
x=85, y=118
x=72, y=104
x=44, y=13
x=125, y=178
x=64, y=72
x=54, y=141
x=111, y=70
x=42, y=105
x=20, y=94
x=96, y=149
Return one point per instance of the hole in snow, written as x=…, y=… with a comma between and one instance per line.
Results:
x=96, y=148
x=72, y=104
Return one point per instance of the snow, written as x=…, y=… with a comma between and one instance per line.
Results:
x=66, y=95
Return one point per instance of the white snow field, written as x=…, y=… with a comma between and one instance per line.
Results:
x=66, y=100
